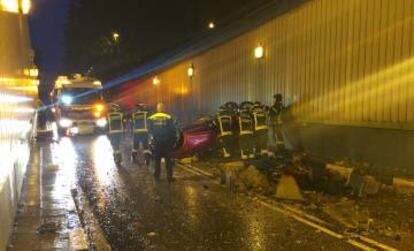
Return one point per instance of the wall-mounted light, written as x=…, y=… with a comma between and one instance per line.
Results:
x=259, y=51
x=190, y=71
x=211, y=25
x=156, y=81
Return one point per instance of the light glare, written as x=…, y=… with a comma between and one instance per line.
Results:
x=26, y=6
x=156, y=81
x=67, y=100
x=10, y=5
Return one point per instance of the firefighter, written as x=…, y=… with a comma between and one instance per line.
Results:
x=164, y=136
x=225, y=134
x=275, y=114
x=260, y=128
x=140, y=132
x=246, y=132
x=115, y=130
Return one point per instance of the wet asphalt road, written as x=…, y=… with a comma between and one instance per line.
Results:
x=194, y=213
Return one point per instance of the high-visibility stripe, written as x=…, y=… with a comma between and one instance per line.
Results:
x=259, y=128
x=115, y=131
x=136, y=116
x=115, y=116
x=159, y=115
x=246, y=132
x=222, y=134
x=140, y=130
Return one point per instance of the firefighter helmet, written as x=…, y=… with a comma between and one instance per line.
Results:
x=141, y=107
x=278, y=97
x=114, y=108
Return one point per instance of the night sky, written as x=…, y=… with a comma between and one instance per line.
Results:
x=75, y=35
x=47, y=23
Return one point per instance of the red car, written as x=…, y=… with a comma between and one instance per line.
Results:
x=198, y=137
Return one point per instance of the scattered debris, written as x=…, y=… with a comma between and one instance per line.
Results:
x=252, y=179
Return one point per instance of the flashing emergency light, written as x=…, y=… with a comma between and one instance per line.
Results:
x=67, y=100
x=99, y=107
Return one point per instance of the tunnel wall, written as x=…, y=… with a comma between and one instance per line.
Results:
x=17, y=96
x=345, y=66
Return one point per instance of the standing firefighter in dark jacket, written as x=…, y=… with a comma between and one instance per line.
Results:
x=162, y=129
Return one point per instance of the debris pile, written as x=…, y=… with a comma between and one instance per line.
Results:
x=239, y=178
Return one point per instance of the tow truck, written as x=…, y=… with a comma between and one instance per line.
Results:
x=79, y=105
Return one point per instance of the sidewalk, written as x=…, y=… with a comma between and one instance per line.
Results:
x=46, y=215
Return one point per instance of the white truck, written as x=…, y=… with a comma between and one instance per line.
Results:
x=79, y=105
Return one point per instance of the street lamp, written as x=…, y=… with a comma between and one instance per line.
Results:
x=115, y=36
x=259, y=52
x=211, y=25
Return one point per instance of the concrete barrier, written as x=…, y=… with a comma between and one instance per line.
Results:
x=401, y=185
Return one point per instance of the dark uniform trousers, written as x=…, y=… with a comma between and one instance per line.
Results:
x=141, y=137
x=163, y=131
x=115, y=139
x=160, y=152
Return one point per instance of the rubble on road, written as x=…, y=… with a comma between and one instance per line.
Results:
x=239, y=178
x=252, y=179
x=357, y=197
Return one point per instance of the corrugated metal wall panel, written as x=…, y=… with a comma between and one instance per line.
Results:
x=341, y=61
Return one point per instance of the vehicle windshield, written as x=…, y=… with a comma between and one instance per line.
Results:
x=80, y=96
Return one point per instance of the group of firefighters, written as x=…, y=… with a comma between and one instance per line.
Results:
x=246, y=125
x=159, y=126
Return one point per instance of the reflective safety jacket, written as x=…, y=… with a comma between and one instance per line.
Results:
x=139, y=120
x=246, y=123
x=161, y=127
x=260, y=120
x=225, y=123
x=115, y=122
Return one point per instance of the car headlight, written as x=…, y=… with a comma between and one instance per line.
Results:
x=101, y=122
x=74, y=130
x=65, y=123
